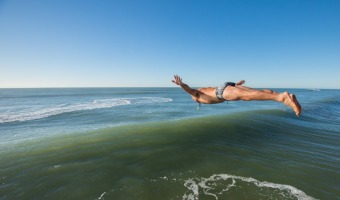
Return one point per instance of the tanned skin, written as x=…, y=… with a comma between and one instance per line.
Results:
x=207, y=95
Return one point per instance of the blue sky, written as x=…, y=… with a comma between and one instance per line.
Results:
x=118, y=43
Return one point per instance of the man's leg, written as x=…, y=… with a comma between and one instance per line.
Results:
x=247, y=94
x=250, y=89
x=240, y=85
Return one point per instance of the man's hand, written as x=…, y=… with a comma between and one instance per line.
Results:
x=177, y=80
x=241, y=82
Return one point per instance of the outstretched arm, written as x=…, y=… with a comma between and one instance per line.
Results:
x=178, y=81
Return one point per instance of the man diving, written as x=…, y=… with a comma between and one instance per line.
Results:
x=230, y=91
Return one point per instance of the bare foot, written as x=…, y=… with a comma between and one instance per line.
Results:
x=289, y=101
x=293, y=97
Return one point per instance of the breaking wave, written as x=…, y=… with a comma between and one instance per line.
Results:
x=224, y=185
x=68, y=108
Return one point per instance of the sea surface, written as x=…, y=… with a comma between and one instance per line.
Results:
x=153, y=143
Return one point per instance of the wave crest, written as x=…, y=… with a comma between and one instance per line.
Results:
x=31, y=114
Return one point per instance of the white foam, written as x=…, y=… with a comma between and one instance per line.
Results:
x=101, y=196
x=209, y=184
x=192, y=186
x=63, y=108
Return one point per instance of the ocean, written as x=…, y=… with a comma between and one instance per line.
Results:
x=153, y=143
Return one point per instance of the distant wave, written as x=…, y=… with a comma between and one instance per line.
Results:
x=218, y=184
x=64, y=108
x=314, y=89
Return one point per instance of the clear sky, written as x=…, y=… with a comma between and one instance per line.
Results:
x=118, y=43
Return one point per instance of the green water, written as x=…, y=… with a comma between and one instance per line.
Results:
x=157, y=160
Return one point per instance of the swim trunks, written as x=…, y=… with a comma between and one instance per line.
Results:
x=220, y=89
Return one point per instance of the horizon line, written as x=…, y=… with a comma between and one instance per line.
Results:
x=89, y=87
